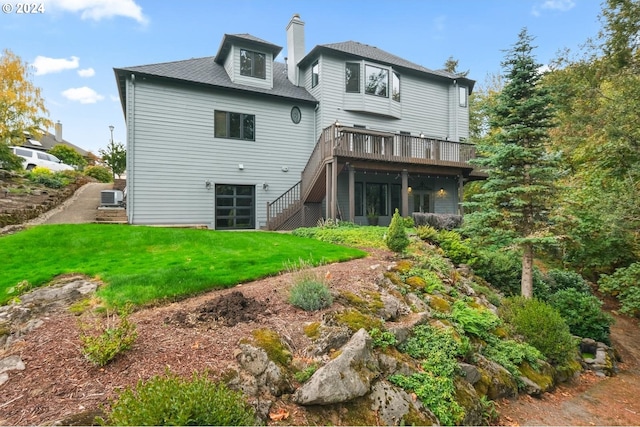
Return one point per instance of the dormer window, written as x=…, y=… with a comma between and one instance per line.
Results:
x=377, y=81
x=253, y=64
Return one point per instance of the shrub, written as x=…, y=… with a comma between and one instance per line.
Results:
x=396, y=238
x=623, y=284
x=455, y=247
x=310, y=293
x=171, y=400
x=564, y=279
x=583, y=313
x=427, y=233
x=542, y=326
x=503, y=270
x=100, y=173
x=510, y=354
x=103, y=341
x=44, y=176
x=437, y=221
x=476, y=321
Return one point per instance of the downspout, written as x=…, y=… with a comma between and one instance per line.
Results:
x=130, y=150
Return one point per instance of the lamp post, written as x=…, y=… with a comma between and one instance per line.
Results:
x=111, y=148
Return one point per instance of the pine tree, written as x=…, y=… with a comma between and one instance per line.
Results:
x=513, y=207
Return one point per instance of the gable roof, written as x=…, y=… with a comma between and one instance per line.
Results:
x=230, y=39
x=206, y=71
x=47, y=141
x=364, y=51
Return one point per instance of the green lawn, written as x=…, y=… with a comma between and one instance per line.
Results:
x=147, y=264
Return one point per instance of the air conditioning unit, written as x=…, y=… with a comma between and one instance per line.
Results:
x=111, y=198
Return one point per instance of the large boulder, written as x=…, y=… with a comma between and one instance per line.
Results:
x=394, y=406
x=345, y=378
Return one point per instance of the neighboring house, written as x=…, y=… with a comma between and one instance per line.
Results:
x=241, y=141
x=47, y=141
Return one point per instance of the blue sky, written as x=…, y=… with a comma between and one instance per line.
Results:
x=73, y=45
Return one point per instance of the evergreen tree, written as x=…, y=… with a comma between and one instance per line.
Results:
x=513, y=207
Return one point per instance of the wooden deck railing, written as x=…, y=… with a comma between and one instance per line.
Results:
x=365, y=144
x=289, y=200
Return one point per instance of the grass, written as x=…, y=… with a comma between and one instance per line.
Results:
x=143, y=265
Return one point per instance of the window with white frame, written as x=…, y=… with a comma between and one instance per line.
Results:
x=253, y=64
x=462, y=94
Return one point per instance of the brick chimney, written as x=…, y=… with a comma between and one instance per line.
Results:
x=295, y=47
x=58, y=127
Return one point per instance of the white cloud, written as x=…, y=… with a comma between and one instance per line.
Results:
x=87, y=72
x=114, y=98
x=83, y=95
x=44, y=65
x=558, y=5
x=100, y=9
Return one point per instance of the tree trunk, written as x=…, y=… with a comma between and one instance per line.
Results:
x=526, y=285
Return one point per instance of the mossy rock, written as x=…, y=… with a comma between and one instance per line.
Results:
x=567, y=371
x=312, y=330
x=271, y=343
x=416, y=282
x=440, y=304
x=394, y=278
x=542, y=377
x=369, y=302
x=402, y=266
x=468, y=399
x=356, y=320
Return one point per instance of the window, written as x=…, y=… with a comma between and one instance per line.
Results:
x=234, y=125
x=235, y=207
x=377, y=196
x=395, y=86
x=377, y=82
x=352, y=77
x=253, y=64
x=315, y=74
x=462, y=91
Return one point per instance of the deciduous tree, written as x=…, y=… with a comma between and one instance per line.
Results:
x=22, y=109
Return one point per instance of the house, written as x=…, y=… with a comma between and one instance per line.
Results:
x=241, y=141
x=48, y=140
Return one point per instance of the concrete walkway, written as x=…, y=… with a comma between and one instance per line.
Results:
x=79, y=208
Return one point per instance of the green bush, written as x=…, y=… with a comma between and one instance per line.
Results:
x=542, y=326
x=624, y=284
x=583, y=313
x=475, y=321
x=455, y=247
x=171, y=400
x=310, y=293
x=396, y=238
x=427, y=233
x=103, y=340
x=510, y=354
x=100, y=173
x=503, y=270
x=48, y=178
x=564, y=279
x=346, y=234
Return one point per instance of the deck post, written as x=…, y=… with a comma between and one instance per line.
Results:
x=328, y=192
x=405, y=193
x=352, y=193
x=334, y=188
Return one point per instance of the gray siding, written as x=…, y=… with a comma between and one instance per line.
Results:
x=425, y=105
x=175, y=151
